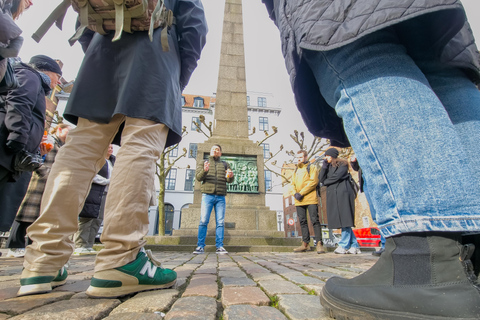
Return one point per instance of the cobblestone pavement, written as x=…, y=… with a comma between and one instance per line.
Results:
x=209, y=286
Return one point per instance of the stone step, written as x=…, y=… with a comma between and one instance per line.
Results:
x=229, y=248
x=228, y=240
x=231, y=232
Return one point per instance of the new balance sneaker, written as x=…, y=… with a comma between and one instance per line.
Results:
x=16, y=253
x=353, y=250
x=142, y=274
x=221, y=250
x=81, y=251
x=199, y=250
x=340, y=250
x=36, y=282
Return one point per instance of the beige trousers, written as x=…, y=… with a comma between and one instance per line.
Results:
x=126, y=208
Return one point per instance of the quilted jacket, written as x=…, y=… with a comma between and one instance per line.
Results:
x=328, y=24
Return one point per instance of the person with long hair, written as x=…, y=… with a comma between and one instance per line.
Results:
x=340, y=200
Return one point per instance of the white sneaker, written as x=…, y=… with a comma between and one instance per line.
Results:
x=92, y=251
x=81, y=252
x=353, y=250
x=16, y=253
x=340, y=250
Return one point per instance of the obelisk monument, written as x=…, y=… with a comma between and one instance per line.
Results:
x=245, y=200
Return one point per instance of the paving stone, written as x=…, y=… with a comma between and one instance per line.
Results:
x=274, y=287
x=244, y=295
x=232, y=274
x=8, y=293
x=148, y=302
x=180, y=283
x=322, y=275
x=317, y=288
x=72, y=310
x=237, y=282
x=135, y=316
x=23, y=304
x=265, y=276
x=206, y=270
x=301, y=307
x=9, y=283
x=243, y=312
x=193, y=308
x=305, y=280
x=77, y=286
x=202, y=285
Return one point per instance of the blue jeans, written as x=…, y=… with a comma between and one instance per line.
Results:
x=348, y=239
x=209, y=201
x=414, y=124
x=373, y=213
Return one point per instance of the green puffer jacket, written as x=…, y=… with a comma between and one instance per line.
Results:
x=214, y=180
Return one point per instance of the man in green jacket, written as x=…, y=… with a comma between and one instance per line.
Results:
x=214, y=175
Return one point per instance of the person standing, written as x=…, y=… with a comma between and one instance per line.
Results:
x=128, y=89
x=29, y=209
x=303, y=188
x=214, y=174
x=396, y=81
x=91, y=217
x=340, y=200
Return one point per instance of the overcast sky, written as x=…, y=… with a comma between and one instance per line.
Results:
x=265, y=66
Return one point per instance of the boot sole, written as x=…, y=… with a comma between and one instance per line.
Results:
x=96, y=292
x=341, y=310
x=34, y=289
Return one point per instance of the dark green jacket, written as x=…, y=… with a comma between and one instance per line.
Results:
x=214, y=180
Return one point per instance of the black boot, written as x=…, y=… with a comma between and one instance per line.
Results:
x=419, y=276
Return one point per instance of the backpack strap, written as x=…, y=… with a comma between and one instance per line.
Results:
x=57, y=16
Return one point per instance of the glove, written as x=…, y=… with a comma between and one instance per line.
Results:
x=298, y=196
x=15, y=146
x=26, y=161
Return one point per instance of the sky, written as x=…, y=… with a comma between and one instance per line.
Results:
x=265, y=67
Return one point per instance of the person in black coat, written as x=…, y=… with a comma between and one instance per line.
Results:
x=340, y=200
x=22, y=121
x=91, y=216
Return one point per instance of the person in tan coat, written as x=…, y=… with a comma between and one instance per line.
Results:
x=303, y=188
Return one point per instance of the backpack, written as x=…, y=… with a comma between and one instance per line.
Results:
x=106, y=15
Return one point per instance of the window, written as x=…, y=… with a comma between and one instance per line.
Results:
x=248, y=100
x=197, y=121
x=198, y=102
x=189, y=179
x=249, y=123
x=262, y=123
x=262, y=102
x=170, y=179
x=173, y=152
x=266, y=150
x=192, y=150
x=286, y=203
x=183, y=101
x=268, y=180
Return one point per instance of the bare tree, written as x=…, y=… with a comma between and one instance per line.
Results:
x=164, y=165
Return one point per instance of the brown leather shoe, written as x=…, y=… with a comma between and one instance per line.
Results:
x=320, y=248
x=304, y=247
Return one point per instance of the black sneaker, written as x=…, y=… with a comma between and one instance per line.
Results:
x=199, y=250
x=221, y=250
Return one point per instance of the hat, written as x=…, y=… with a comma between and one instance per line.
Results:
x=44, y=63
x=332, y=152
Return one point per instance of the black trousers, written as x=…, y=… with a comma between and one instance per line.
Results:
x=302, y=218
x=18, y=232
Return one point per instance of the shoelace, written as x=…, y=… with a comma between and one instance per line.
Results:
x=152, y=259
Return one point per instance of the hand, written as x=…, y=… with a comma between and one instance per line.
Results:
x=325, y=164
x=298, y=196
x=15, y=146
x=43, y=149
x=206, y=166
x=229, y=173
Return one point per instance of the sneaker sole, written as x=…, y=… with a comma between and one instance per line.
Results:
x=34, y=289
x=96, y=292
x=221, y=252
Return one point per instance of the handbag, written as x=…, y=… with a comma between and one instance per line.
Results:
x=9, y=80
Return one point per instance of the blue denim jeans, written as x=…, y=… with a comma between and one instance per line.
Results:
x=348, y=239
x=209, y=201
x=414, y=124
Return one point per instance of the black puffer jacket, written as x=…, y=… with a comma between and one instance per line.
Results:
x=328, y=24
x=22, y=113
x=214, y=180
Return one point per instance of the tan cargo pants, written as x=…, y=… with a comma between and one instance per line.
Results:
x=68, y=184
